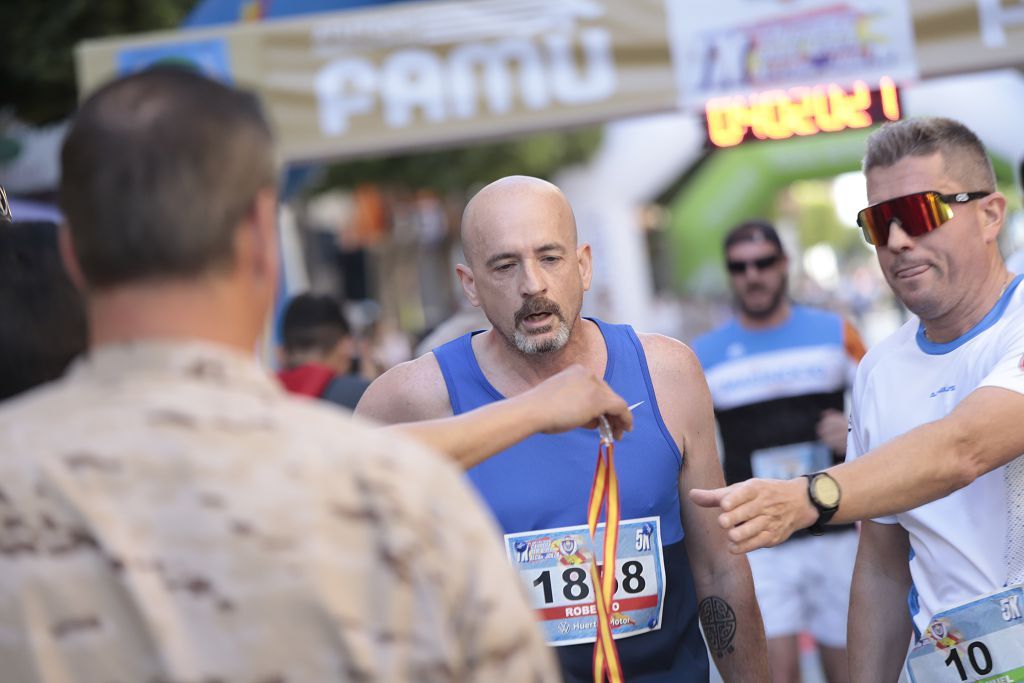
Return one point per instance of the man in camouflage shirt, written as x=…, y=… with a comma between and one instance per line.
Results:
x=167, y=512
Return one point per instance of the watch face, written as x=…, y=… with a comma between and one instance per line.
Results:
x=826, y=491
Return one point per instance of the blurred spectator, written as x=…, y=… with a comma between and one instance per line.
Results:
x=777, y=373
x=42, y=316
x=318, y=349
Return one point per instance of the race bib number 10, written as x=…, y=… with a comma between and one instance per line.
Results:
x=554, y=564
x=982, y=640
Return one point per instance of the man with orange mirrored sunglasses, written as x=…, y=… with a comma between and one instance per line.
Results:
x=938, y=417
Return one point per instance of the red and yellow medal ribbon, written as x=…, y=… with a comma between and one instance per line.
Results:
x=605, y=490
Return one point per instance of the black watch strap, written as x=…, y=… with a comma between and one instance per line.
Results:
x=825, y=514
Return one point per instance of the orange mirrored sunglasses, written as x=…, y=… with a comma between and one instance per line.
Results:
x=916, y=214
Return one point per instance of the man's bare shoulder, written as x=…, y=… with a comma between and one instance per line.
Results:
x=670, y=359
x=409, y=392
x=679, y=386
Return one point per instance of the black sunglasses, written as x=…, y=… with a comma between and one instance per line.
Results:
x=763, y=263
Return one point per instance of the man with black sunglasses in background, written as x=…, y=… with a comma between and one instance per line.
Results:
x=936, y=431
x=778, y=373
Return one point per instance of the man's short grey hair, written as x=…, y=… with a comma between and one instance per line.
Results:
x=963, y=153
x=158, y=170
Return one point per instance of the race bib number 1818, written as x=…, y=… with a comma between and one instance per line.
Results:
x=554, y=564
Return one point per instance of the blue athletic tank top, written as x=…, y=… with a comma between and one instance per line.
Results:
x=544, y=483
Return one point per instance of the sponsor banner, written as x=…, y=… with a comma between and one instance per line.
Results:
x=389, y=79
x=208, y=56
x=424, y=74
x=957, y=36
x=744, y=47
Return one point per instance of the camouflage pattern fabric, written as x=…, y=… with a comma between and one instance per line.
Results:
x=168, y=514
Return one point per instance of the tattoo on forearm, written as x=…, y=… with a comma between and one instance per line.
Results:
x=719, y=622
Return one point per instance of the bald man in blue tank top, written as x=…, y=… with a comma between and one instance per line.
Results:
x=525, y=269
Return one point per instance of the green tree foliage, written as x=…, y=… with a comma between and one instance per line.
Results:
x=37, y=70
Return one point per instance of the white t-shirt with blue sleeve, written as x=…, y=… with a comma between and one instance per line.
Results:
x=972, y=541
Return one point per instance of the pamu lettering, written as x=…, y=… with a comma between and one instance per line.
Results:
x=414, y=83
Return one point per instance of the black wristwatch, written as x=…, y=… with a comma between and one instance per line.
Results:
x=824, y=493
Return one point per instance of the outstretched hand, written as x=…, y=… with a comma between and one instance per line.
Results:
x=576, y=397
x=759, y=513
